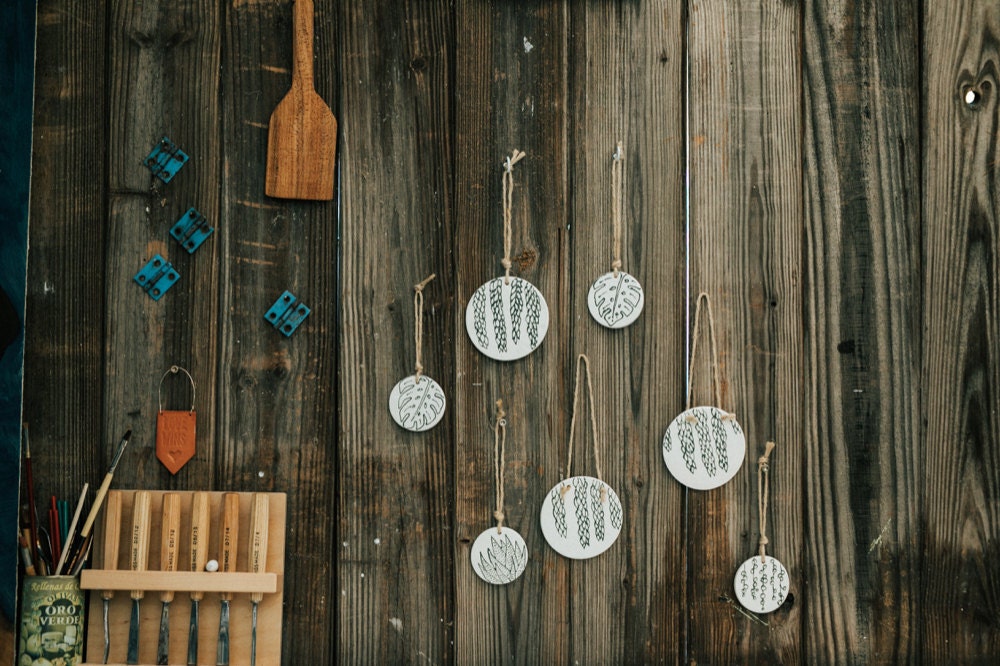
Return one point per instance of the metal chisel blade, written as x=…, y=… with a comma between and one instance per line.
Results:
x=107, y=632
x=193, y=635
x=164, y=642
x=253, y=637
x=222, y=653
x=133, y=635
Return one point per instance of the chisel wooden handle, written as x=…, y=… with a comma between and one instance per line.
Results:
x=139, y=536
x=257, y=551
x=170, y=531
x=112, y=535
x=200, y=519
x=229, y=533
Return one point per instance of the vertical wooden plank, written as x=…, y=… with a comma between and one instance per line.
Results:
x=277, y=394
x=510, y=93
x=861, y=94
x=395, y=566
x=745, y=252
x=625, y=83
x=163, y=80
x=64, y=318
x=961, y=346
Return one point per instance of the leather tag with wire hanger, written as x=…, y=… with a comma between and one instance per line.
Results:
x=175, y=430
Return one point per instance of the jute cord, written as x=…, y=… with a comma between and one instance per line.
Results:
x=508, y=198
x=418, y=321
x=582, y=359
x=616, y=207
x=763, y=488
x=499, y=452
x=716, y=382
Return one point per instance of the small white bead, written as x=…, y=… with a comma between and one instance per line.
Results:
x=212, y=565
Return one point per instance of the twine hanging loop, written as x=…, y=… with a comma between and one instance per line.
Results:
x=418, y=322
x=583, y=361
x=763, y=488
x=716, y=381
x=508, y=198
x=616, y=207
x=499, y=453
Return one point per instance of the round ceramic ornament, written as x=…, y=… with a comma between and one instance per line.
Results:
x=499, y=555
x=417, y=403
x=507, y=317
x=581, y=517
x=704, y=447
x=615, y=299
x=761, y=584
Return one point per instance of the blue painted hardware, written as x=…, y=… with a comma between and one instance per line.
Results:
x=156, y=277
x=286, y=314
x=191, y=230
x=165, y=160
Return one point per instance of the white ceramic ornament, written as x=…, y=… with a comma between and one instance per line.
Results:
x=577, y=522
x=615, y=301
x=761, y=584
x=499, y=555
x=507, y=319
x=704, y=447
x=417, y=404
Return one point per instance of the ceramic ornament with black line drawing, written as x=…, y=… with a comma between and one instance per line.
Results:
x=507, y=317
x=417, y=402
x=704, y=447
x=616, y=299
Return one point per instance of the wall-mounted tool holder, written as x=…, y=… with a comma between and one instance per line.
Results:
x=241, y=583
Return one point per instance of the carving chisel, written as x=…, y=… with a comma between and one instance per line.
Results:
x=199, y=555
x=227, y=564
x=139, y=542
x=109, y=559
x=170, y=529
x=258, y=558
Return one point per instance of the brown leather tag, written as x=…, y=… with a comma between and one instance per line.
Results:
x=175, y=436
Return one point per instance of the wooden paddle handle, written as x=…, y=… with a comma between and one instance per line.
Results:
x=139, y=536
x=302, y=54
x=230, y=532
x=170, y=531
x=200, y=519
x=112, y=535
x=259, y=508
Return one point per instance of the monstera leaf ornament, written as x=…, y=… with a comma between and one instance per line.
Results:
x=615, y=300
x=417, y=403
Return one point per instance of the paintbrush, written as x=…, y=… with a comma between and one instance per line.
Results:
x=32, y=512
x=71, y=532
x=86, y=536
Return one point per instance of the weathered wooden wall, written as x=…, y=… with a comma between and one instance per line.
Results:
x=814, y=166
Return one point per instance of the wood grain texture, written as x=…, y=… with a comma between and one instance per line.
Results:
x=862, y=333
x=64, y=311
x=162, y=82
x=395, y=565
x=277, y=395
x=512, y=96
x=625, y=82
x=745, y=252
x=961, y=346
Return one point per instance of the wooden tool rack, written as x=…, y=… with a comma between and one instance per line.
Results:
x=153, y=581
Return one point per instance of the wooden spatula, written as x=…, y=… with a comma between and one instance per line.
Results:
x=302, y=140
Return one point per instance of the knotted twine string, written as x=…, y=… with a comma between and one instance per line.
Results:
x=715, y=355
x=616, y=206
x=593, y=425
x=508, y=197
x=762, y=492
x=499, y=446
x=418, y=321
